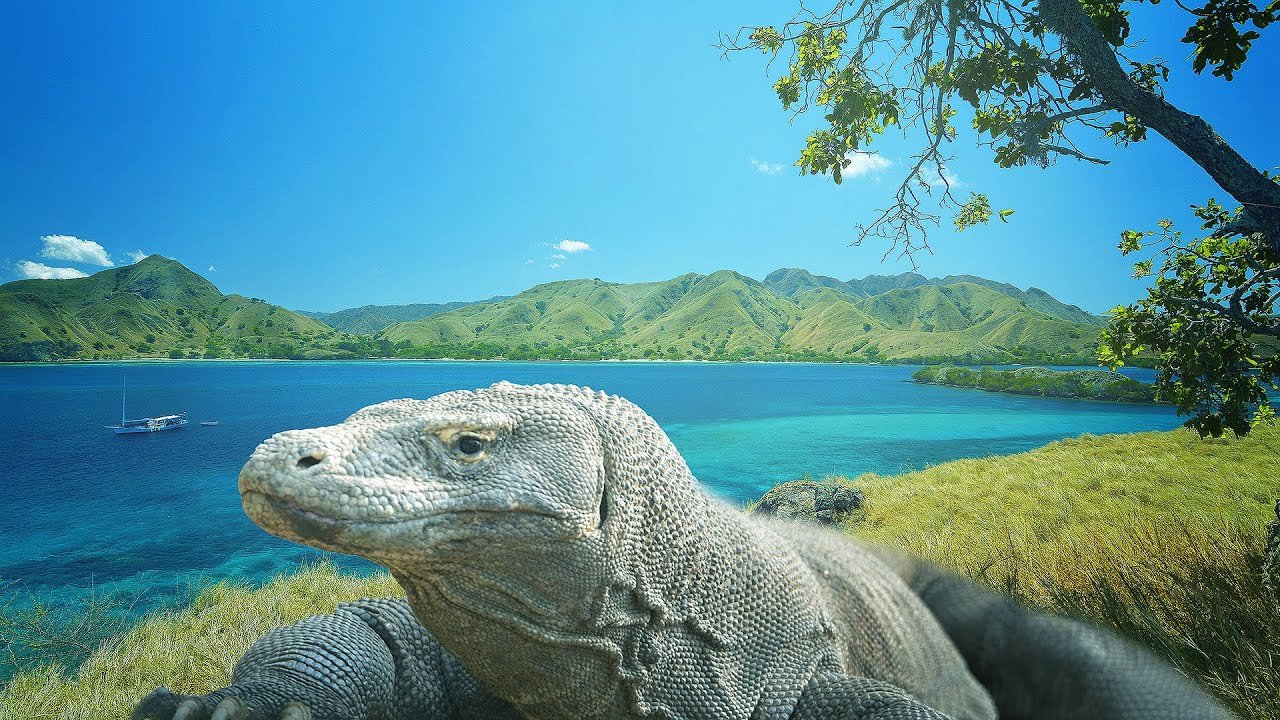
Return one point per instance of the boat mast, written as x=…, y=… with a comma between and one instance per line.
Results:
x=123, y=389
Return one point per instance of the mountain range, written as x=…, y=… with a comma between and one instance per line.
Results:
x=791, y=314
x=158, y=308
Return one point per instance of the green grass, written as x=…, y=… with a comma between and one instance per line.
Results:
x=1158, y=535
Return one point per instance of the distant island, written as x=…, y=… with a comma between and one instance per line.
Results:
x=1080, y=384
x=157, y=308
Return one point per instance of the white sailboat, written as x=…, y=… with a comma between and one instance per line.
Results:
x=147, y=424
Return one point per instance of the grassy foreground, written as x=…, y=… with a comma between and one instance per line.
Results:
x=1157, y=534
x=188, y=651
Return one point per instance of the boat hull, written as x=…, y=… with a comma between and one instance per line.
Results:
x=131, y=430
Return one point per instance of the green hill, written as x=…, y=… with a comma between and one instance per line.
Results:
x=154, y=308
x=370, y=319
x=791, y=315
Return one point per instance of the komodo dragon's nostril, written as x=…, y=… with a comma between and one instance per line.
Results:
x=312, y=458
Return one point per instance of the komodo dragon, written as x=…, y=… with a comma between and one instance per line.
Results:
x=560, y=561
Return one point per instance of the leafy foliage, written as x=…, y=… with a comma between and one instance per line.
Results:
x=1218, y=37
x=1210, y=319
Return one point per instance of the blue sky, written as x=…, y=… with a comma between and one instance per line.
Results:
x=346, y=154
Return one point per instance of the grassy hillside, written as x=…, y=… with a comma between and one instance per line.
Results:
x=370, y=319
x=1156, y=534
x=154, y=308
x=789, y=282
x=1083, y=384
x=792, y=315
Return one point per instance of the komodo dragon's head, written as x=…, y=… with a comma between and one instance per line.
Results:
x=507, y=464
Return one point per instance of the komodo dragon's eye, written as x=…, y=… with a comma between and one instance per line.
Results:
x=470, y=445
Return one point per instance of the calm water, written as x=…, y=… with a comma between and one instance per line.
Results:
x=152, y=514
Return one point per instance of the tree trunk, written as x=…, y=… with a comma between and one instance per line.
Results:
x=1259, y=195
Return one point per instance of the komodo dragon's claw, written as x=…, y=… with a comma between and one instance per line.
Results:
x=186, y=710
x=296, y=711
x=164, y=705
x=230, y=709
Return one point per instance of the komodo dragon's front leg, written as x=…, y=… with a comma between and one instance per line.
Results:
x=369, y=659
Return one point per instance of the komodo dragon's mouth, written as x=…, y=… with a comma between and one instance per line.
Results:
x=306, y=523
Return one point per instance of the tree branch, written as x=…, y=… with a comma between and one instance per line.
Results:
x=1236, y=315
x=1190, y=133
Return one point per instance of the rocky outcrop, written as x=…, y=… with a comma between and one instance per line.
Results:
x=824, y=503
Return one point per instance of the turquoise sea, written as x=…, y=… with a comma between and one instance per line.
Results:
x=153, y=515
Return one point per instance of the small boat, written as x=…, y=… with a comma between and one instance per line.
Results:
x=208, y=423
x=147, y=424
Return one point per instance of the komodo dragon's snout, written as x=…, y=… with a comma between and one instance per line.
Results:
x=417, y=473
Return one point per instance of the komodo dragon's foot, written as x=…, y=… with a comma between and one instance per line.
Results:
x=233, y=703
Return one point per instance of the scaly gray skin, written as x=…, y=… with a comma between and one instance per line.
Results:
x=560, y=561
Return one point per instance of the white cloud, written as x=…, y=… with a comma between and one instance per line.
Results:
x=529, y=261
x=558, y=256
x=554, y=266
x=864, y=164
x=69, y=247
x=213, y=269
x=571, y=246
x=136, y=256
x=29, y=269
x=766, y=167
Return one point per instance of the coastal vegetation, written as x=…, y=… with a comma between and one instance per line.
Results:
x=1158, y=535
x=1082, y=384
x=158, y=308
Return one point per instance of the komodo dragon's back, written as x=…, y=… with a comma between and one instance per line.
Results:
x=561, y=562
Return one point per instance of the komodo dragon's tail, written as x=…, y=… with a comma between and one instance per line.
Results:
x=1044, y=667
